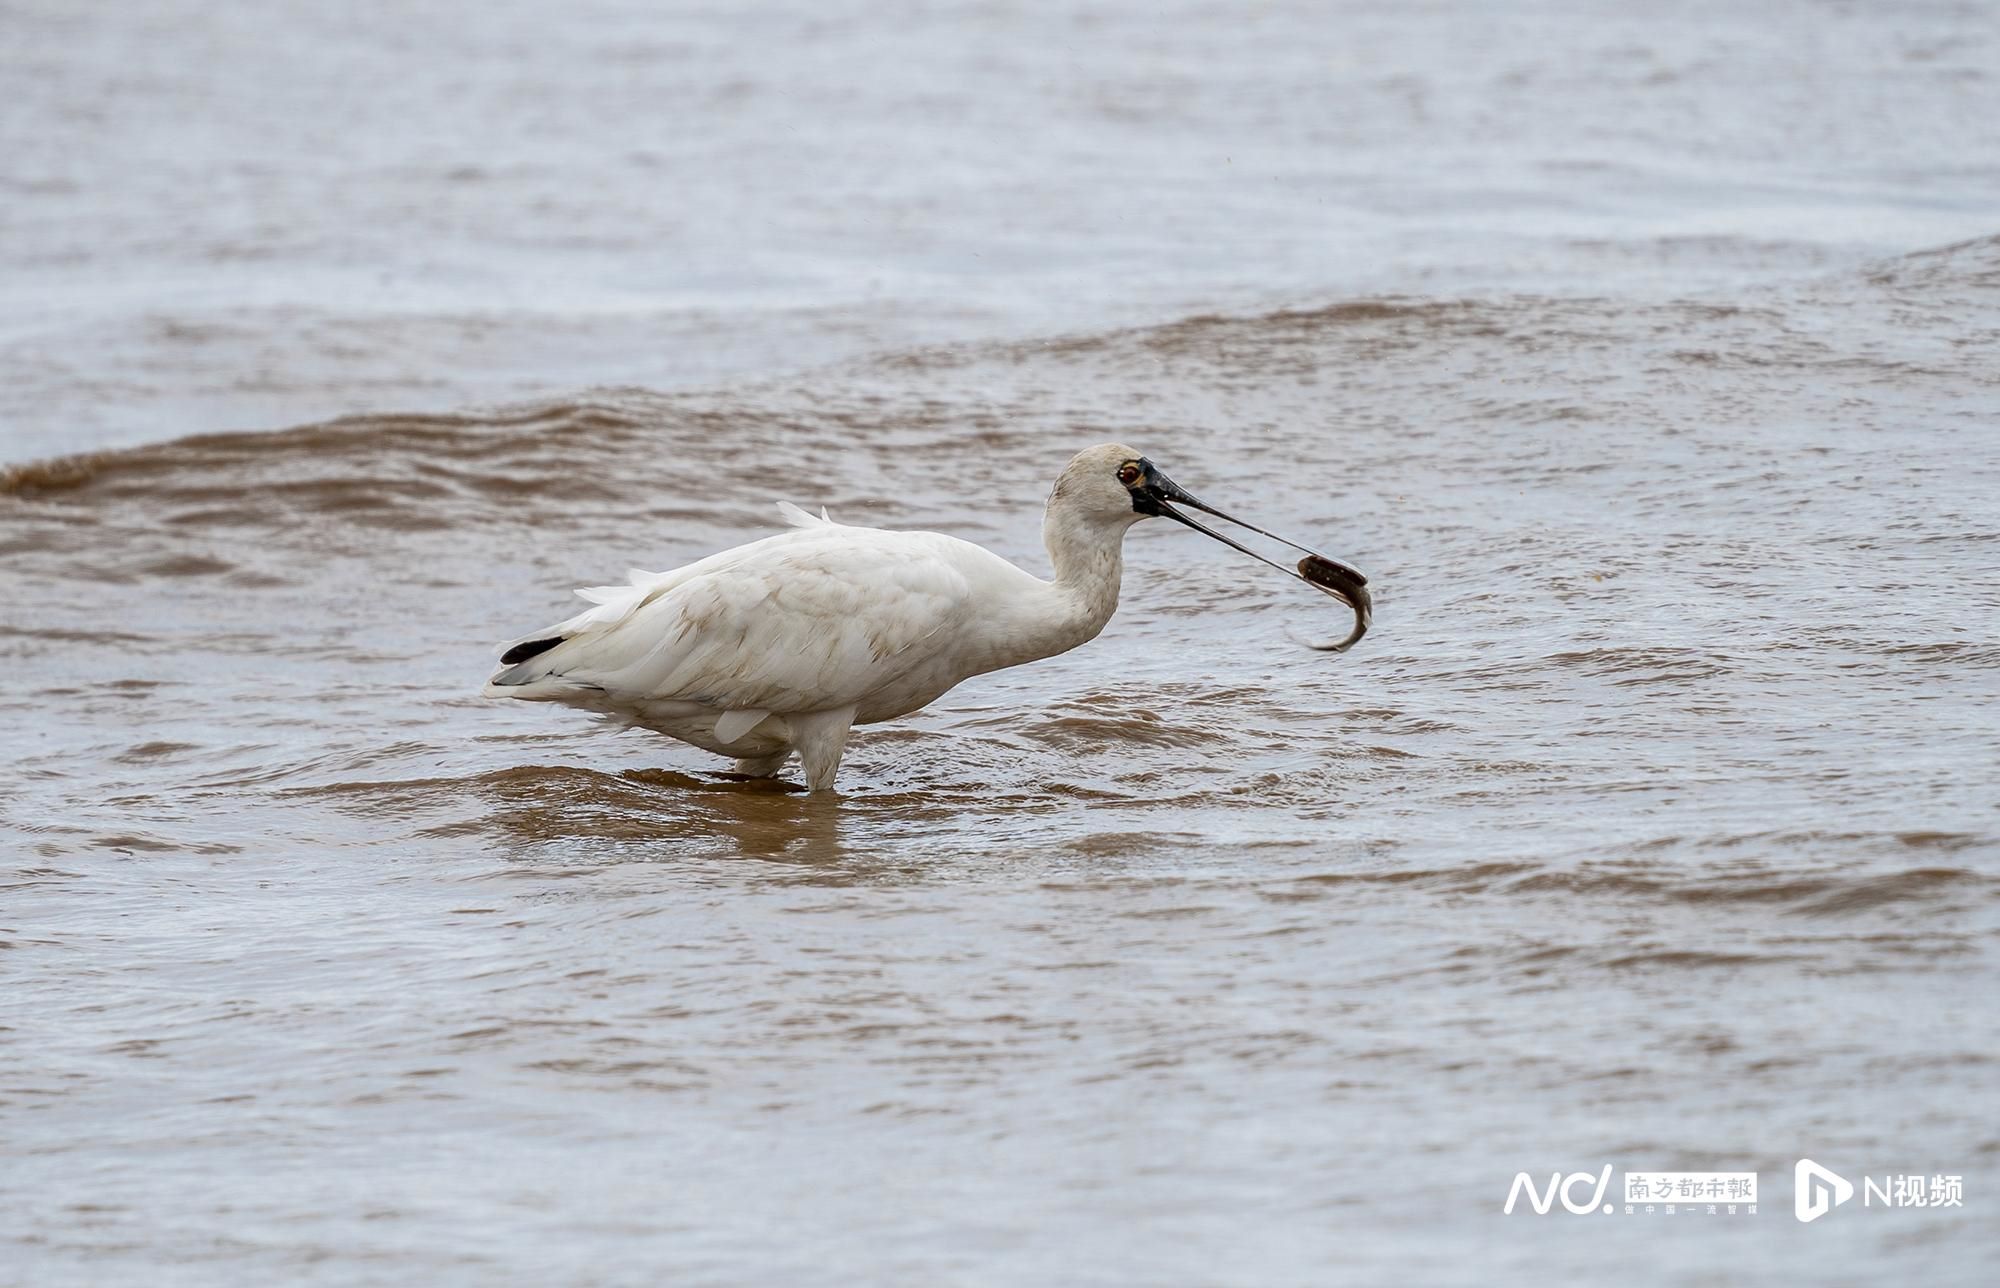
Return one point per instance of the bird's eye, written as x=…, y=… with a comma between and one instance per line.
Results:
x=1129, y=473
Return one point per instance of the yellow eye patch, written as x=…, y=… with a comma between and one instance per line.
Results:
x=1129, y=473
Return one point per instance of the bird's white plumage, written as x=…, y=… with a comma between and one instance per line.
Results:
x=781, y=644
x=799, y=621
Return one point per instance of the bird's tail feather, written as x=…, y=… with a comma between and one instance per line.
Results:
x=532, y=658
x=798, y=518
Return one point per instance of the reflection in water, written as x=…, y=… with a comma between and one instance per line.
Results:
x=547, y=809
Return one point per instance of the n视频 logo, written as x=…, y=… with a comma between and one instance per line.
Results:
x=1811, y=1186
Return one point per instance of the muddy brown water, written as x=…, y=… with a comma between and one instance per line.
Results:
x=1653, y=824
x=1654, y=820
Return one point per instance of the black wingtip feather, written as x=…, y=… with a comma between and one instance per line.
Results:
x=532, y=648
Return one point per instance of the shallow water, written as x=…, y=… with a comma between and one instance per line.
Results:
x=1652, y=825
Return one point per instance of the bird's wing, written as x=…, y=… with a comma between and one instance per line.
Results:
x=616, y=603
x=809, y=620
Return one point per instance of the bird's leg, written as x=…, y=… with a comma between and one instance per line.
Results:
x=762, y=766
x=820, y=738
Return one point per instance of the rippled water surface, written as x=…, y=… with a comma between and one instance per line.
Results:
x=1654, y=824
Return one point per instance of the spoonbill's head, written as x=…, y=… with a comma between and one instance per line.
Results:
x=1096, y=487
x=1114, y=485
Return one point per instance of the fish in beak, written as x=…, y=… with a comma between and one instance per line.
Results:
x=1154, y=493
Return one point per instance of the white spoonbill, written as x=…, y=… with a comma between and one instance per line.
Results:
x=784, y=644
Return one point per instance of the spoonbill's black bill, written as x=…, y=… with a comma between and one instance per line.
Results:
x=785, y=644
x=1322, y=572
